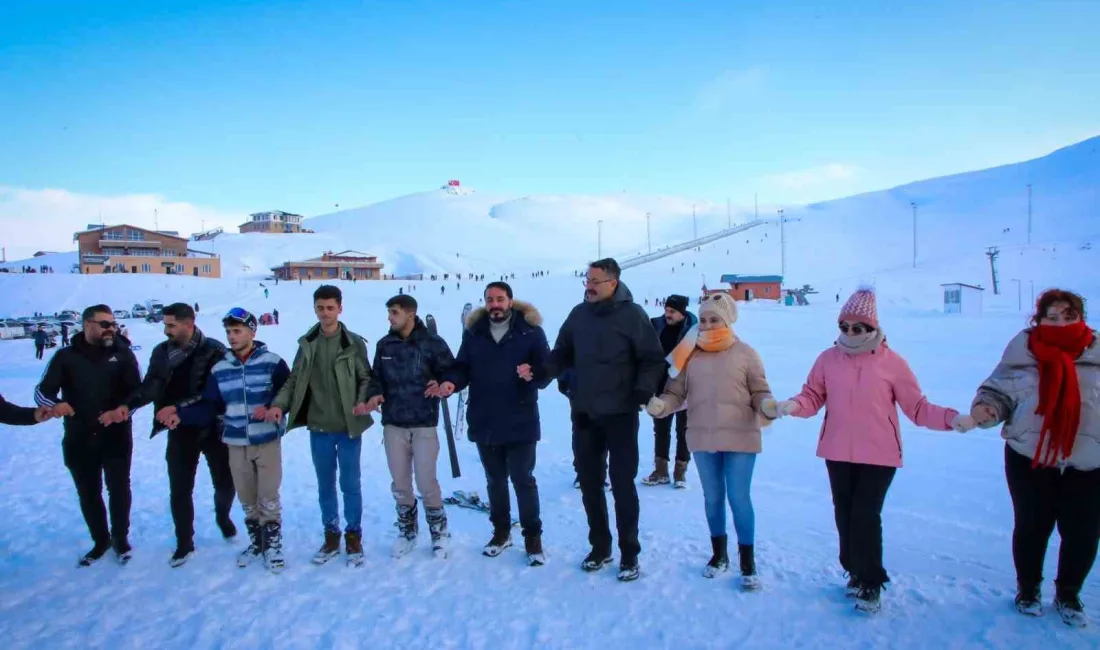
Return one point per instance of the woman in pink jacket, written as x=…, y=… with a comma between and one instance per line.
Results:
x=860, y=381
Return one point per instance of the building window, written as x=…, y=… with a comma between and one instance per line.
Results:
x=145, y=268
x=206, y=268
x=179, y=268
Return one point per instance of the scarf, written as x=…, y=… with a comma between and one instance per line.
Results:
x=709, y=341
x=716, y=340
x=177, y=354
x=861, y=343
x=1057, y=349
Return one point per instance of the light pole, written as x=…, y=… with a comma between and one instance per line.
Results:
x=914, y=233
x=694, y=224
x=782, y=245
x=1029, y=213
x=1019, y=295
x=599, y=239
x=648, y=239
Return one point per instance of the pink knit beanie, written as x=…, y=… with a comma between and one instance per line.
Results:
x=861, y=307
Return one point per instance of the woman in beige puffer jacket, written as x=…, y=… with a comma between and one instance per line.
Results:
x=722, y=383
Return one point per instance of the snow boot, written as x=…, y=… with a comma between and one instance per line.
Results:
x=1029, y=600
x=679, y=475
x=184, y=552
x=869, y=599
x=1070, y=608
x=329, y=549
x=719, y=561
x=851, y=590
x=629, y=570
x=407, y=530
x=437, y=526
x=659, y=475
x=123, y=550
x=273, y=546
x=533, y=545
x=749, y=580
x=595, y=561
x=353, y=542
x=501, y=540
x=255, y=543
x=94, y=555
x=228, y=528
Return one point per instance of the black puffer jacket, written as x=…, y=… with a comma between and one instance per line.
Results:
x=614, y=354
x=92, y=380
x=401, y=372
x=156, y=389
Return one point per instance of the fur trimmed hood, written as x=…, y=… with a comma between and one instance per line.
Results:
x=526, y=309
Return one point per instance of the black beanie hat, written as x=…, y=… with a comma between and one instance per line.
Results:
x=677, y=302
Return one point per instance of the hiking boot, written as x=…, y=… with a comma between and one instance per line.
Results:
x=255, y=543
x=533, y=545
x=228, y=528
x=629, y=570
x=329, y=549
x=749, y=580
x=184, y=552
x=679, y=475
x=501, y=540
x=353, y=542
x=719, y=561
x=659, y=475
x=1072, y=611
x=123, y=550
x=595, y=561
x=94, y=555
x=1029, y=600
x=851, y=590
x=868, y=600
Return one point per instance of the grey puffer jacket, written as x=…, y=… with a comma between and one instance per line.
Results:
x=1013, y=392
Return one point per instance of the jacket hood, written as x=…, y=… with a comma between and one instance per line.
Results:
x=529, y=312
x=622, y=293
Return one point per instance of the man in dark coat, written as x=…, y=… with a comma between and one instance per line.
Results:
x=502, y=346
x=40, y=340
x=178, y=370
x=22, y=415
x=671, y=328
x=95, y=375
x=409, y=364
x=617, y=363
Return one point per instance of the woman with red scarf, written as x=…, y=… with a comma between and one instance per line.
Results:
x=1046, y=391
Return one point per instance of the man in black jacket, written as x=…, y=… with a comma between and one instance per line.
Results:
x=617, y=361
x=178, y=370
x=22, y=415
x=94, y=375
x=671, y=327
x=409, y=363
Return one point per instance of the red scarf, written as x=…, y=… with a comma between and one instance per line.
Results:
x=1057, y=349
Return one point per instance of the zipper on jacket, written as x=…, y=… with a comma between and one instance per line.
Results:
x=897, y=436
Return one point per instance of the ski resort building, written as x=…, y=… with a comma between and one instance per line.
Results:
x=345, y=265
x=130, y=249
x=754, y=287
x=273, y=221
x=965, y=299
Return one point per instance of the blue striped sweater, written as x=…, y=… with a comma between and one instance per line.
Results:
x=236, y=388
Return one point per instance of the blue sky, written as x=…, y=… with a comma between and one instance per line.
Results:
x=238, y=106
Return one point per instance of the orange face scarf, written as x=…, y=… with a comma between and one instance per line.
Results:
x=1057, y=349
x=715, y=340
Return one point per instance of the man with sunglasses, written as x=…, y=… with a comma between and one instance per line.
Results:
x=95, y=375
x=616, y=363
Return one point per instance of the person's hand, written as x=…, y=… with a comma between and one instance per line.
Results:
x=114, y=416
x=273, y=414
x=374, y=403
x=983, y=414
x=42, y=413
x=963, y=423
x=787, y=407
x=362, y=408
x=63, y=410
x=524, y=372
x=770, y=408
x=656, y=407
x=162, y=415
x=432, y=389
x=446, y=389
x=172, y=421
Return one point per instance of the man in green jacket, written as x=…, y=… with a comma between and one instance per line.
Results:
x=327, y=392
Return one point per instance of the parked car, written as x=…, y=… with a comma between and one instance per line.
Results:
x=121, y=314
x=11, y=329
x=139, y=311
x=69, y=314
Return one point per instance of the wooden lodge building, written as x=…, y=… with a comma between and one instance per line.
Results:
x=130, y=249
x=273, y=221
x=752, y=287
x=345, y=265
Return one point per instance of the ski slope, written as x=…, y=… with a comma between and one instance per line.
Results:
x=947, y=520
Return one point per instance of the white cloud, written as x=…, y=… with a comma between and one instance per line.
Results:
x=819, y=183
x=727, y=89
x=45, y=219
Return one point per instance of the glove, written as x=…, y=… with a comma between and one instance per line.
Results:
x=656, y=407
x=786, y=407
x=769, y=408
x=963, y=423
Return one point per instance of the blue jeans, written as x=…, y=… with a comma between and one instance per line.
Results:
x=728, y=474
x=331, y=450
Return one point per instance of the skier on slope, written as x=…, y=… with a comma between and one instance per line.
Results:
x=721, y=381
x=502, y=346
x=860, y=382
x=671, y=328
x=408, y=364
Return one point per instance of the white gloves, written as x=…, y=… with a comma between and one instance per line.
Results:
x=656, y=407
x=775, y=410
x=963, y=423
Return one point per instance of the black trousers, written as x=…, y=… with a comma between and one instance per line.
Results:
x=662, y=437
x=184, y=447
x=39, y=350
x=615, y=438
x=1046, y=497
x=515, y=462
x=104, y=457
x=859, y=491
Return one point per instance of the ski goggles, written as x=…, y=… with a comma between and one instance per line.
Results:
x=242, y=316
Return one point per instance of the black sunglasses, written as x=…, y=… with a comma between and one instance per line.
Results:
x=106, y=324
x=857, y=329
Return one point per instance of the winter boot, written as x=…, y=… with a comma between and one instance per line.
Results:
x=228, y=528
x=749, y=580
x=629, y=570
x=1070, y=607
x=851, y=590
x=94, y=555
x=533, y=545
x=869, y=599
x=255, y=543
x=660, y=473
x=273, y=546
x=184, y=552
x=679, y=475
x=407, y=530
x=719, y=561
x=123, y=550
x=437, y=526
x=353, y=542
x=329, y=549
x=501, y=540
x=1029, y=600
x=595, y=561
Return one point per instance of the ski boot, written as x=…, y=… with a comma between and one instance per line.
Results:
x=255, y=544
x=407, y=530
x=437, y=526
